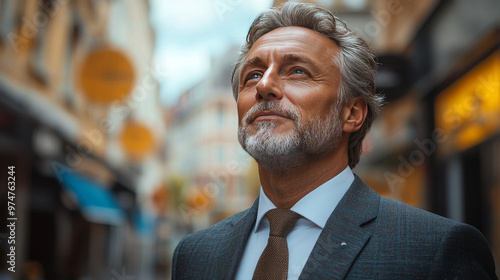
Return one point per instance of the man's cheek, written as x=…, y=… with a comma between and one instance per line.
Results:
x=241, y=114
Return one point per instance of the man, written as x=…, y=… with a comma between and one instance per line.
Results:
x=305, y=94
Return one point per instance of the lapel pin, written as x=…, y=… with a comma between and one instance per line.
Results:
x=343, y=245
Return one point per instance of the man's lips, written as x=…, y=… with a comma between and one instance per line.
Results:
x=267, y=115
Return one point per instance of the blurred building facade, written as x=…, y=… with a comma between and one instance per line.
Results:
x=203, y=149
x=81, y=123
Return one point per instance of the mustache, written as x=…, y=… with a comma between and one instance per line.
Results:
x=289, y=111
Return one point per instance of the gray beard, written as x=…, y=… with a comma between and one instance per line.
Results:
x=282, y=152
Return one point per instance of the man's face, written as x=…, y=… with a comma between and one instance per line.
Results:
x=287, y=94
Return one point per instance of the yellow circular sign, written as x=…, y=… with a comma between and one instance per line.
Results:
x=137, y=140
x=106, y=75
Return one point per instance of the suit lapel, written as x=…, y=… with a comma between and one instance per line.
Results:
x=235, y=241
x=343, y=237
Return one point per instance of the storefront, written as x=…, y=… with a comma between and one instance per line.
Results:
x=68, y=205
x=467, y=111
x=436, y=143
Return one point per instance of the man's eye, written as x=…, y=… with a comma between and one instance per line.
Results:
x=253, y=76
x=299, y=71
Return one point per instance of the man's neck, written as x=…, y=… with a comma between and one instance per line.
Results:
x=286, y=189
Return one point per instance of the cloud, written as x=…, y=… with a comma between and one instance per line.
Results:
x=190, y=33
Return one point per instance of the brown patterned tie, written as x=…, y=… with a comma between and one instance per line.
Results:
x=273, y=263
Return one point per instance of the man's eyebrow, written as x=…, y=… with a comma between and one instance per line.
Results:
x=254, y=61
x=290, y=57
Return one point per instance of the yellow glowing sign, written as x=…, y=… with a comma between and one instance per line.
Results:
x=106, y=75
x=468, y=111
x=137, y=140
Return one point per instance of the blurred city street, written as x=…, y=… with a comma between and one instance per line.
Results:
x=118, y=125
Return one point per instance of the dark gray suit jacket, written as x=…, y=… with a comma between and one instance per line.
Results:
x=385, y=240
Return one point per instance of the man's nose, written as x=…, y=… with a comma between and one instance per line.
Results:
x=269, y=86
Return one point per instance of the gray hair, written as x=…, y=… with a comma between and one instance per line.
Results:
x=356, y=60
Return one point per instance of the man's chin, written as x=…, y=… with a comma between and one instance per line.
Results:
x=280, y=163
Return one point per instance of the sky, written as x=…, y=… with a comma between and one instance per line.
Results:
x=190, y=33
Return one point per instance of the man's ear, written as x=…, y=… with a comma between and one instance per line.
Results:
x=354, y=115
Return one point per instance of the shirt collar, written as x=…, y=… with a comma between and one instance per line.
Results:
x=316, y=206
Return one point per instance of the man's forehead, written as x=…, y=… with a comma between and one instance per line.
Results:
x=287, y=40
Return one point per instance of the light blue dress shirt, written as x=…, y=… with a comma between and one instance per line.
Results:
x=315, y=208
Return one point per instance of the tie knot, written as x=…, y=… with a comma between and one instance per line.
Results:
x=281, y=221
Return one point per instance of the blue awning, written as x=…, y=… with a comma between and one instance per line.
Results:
x=96, y=202
x=145, y=223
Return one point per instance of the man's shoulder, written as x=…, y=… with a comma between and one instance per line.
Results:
x=399, y=214
x=211, y=251
x=452, y=247
x=391, y=212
